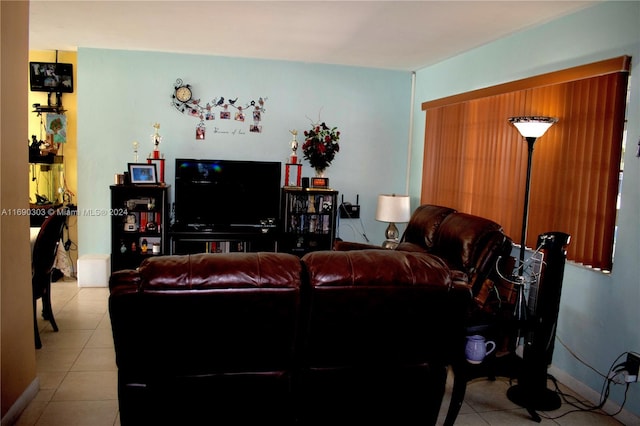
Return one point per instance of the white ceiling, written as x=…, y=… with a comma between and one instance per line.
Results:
x=400, y=35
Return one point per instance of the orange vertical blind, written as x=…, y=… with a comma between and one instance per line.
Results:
x=475, y=160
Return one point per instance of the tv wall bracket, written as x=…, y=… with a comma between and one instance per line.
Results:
x=50, y=107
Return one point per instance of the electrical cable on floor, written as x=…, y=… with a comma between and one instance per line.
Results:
x=582, y=406
x=593, y=408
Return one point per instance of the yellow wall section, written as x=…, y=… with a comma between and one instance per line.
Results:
x=37, y=123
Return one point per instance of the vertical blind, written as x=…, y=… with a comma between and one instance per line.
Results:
x=476, y=161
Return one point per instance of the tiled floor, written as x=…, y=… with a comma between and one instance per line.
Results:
x=78, y=378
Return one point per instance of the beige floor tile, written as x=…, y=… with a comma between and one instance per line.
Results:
x=470, y=419
x=101, y=338
x=79, y=413
x=56, y=359
x=89, y=306
x=464, y=410
x=515, y=417
x=96, y=359
x=105, y=323
x=74, y=320
x=493, y=396
x=32, y=413
x=45, y=395
x=62, y=292
x=93, y=293
x=88, y=386
x=50, y=380
x=90, y=298
x=65, y=338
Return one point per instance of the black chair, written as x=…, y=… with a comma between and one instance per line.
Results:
x=42, y=260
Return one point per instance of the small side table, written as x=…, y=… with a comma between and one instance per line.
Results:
x=506, y=365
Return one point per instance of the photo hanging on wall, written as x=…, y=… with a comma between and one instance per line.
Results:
x=200, y=131
x=183, y=101
x=56, y=128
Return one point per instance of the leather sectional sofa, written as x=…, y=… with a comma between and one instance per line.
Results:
x=356, y=334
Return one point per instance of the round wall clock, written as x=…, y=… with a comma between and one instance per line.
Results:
x=183, y=93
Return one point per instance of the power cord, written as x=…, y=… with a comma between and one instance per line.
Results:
x=582, y=406
x=363, y=233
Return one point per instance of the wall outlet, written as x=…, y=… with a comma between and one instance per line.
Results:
x=633, y=365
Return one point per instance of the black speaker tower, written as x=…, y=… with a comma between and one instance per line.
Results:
x=531, y=392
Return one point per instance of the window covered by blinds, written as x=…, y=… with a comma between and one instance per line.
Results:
x=476, y=161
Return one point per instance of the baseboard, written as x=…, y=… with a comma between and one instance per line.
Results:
x=21, y=403
x=625, y=416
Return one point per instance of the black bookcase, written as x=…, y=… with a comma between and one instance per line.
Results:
x=308, y=220
x=139, y=224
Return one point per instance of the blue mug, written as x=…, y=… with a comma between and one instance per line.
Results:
x=477, y=348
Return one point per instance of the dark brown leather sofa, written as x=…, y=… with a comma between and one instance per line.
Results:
x=380, y=328
x=337, y=336
x=473, y=248
x=206, y=339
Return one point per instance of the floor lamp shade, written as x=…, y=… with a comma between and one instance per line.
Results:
x=532, y=126
x=393, y=209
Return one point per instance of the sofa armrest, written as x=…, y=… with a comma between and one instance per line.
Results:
x=124, y=281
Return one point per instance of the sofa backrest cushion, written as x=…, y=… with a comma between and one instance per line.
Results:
x=470, y=244
x=424, y=223
x=198, y=315
x=219, y=271
x=375, y=307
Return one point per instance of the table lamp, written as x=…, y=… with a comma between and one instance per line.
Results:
x=393, y=209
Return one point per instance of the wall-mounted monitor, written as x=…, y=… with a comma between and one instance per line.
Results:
x=51, y=77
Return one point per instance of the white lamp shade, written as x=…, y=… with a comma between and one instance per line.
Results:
x=393, y=208
x=532, y=127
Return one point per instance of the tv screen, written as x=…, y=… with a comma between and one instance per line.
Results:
x=223, y=194
x=51, y=77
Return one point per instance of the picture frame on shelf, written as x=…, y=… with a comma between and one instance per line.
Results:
x=143, y=174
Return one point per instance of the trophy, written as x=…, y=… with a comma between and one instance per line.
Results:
x=293, y=159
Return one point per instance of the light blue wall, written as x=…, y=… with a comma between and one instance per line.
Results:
x=121, y=94
x=599, y=314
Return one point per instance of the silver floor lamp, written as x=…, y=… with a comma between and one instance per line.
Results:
x=532, y=393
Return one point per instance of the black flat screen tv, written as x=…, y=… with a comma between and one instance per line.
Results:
x=220, y=195
x=51, y=77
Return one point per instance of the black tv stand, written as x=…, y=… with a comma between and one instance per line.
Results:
x=201, y=238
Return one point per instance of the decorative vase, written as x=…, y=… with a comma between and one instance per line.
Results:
x=319, y=172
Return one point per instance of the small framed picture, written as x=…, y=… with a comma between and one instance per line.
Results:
x=143, y=173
